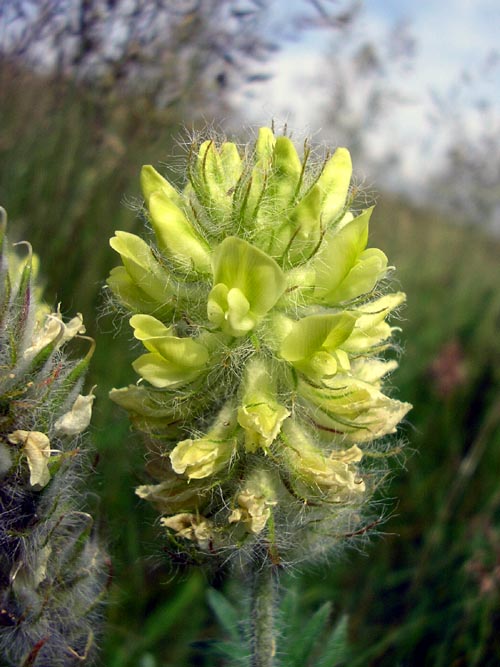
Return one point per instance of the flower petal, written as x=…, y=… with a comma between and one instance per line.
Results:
x=334, y=476
x=343, y=270
x=202, y=457
x=36, y=447
x=146, y=272
x=177, y=238
x=171, y=356
x=254, y=502
x=334, y=184
x=78, y=418
x=259, y=281
x=151, y=181
x=314, y=333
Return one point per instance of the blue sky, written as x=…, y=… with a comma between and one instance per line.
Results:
x=456, y=62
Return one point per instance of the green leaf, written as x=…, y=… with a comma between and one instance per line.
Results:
x=302, y=645
x=226, y=614
x=159, y=622
x=336, y=649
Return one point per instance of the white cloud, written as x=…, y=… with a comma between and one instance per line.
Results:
x=451, y=37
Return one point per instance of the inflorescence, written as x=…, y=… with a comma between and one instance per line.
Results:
x=263, y=316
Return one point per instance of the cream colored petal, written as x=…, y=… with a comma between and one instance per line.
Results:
x=78, y=418
x=262, y=423
x=37, y=451
x=73, y=328
x=201, y=458
x=254, y=502
x=191, y=527
x=54, y=327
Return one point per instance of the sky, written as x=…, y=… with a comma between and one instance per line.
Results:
x=455, y=63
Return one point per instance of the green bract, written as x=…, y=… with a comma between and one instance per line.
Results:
x=262, y=314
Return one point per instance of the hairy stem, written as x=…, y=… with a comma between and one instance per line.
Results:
x=263, y=644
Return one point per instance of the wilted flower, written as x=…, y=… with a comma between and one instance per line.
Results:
x=191, y=527
x=36, y=448
x=78, y=418
x=263, y=313
x=254, y=502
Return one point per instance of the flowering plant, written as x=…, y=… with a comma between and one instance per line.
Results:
x=263, y=316
x=53, y=570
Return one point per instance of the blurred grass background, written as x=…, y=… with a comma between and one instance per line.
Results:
x=424, y=592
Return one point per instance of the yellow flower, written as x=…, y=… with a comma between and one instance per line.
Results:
x=173, y=494
x=334, y=476
x=202, y=457
x=260, y=414
x=171, y=361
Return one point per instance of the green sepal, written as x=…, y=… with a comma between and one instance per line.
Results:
x=77, y=526
x=285, y=174
x=299, y=236
x=255, y=189
x=153, y=412
x=23, y=299
x=141, y=401
x=77, y=371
